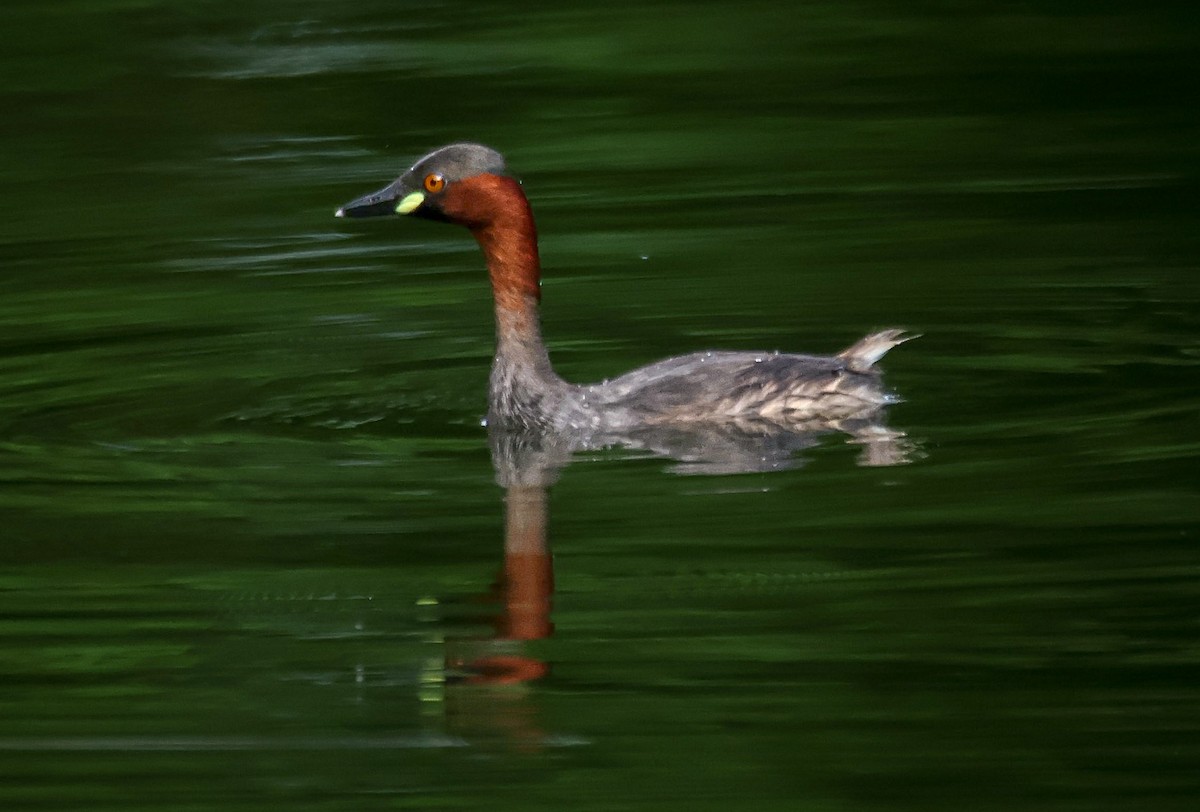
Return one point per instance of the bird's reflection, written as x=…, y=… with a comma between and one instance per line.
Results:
x=523, y=592
x=484, y=693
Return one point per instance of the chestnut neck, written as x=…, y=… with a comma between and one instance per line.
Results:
x=501, y=220
x=498, y=214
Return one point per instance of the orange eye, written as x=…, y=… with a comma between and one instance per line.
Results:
x=434, y=183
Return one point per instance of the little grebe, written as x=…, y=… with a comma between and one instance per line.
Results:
x=468, y=184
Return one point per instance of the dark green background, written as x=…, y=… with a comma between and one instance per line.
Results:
x=247, y=507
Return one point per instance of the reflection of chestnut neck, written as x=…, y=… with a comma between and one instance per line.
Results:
x=528, y=568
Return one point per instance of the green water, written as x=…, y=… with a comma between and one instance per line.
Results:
x=250, y=527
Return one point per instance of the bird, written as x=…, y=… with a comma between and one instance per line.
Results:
x=469, y=184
